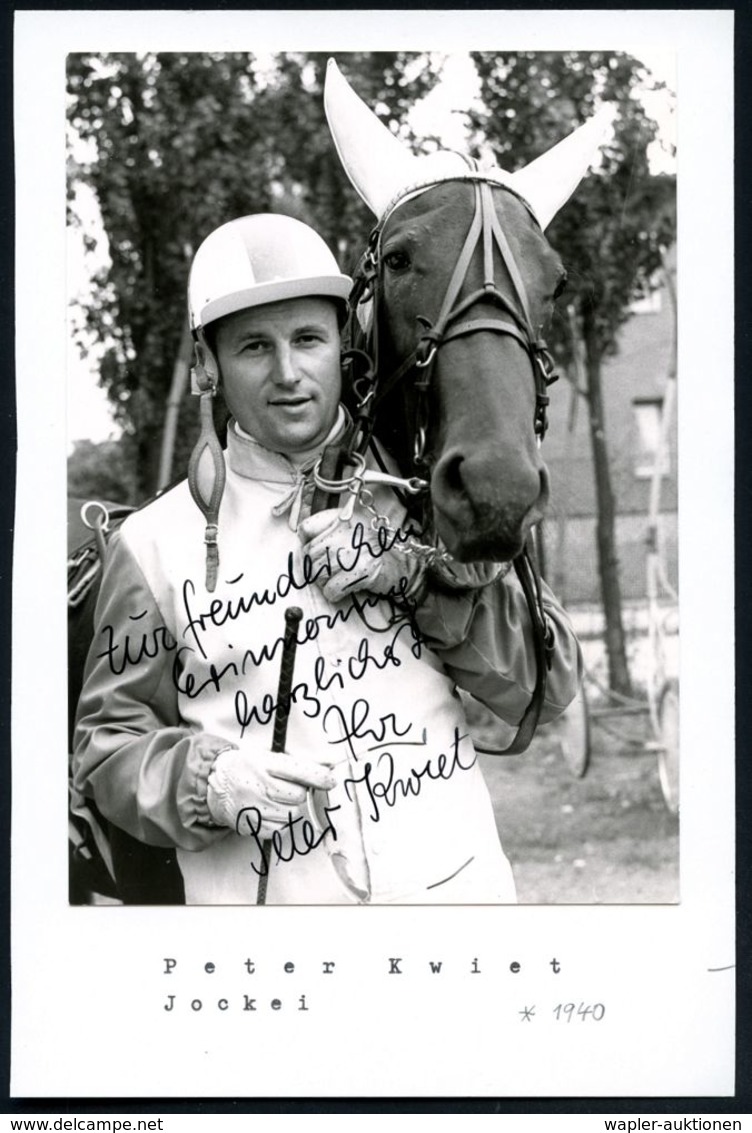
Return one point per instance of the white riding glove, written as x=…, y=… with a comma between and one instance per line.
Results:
x=256, y=792
x=347, y=556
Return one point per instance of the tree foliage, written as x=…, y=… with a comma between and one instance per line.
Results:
x=181, y=143
x=611, y=233
x=102, y=471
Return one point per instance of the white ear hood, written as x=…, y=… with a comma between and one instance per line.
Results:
x=377, y=163
x=548, y=182
x=380, y=166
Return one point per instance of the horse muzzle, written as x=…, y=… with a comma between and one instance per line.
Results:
x=484, y=507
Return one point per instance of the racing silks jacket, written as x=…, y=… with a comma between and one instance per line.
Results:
x=177, y=675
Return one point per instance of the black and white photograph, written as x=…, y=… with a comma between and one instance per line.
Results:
x=379, y=438
x=385, y=488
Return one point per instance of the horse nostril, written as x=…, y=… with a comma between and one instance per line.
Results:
x=447, y=481
x=452, y=475
x=489, y=497
x=489, y=482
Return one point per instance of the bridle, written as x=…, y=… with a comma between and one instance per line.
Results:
x=370, y=389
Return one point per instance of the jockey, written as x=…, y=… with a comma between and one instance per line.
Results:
x=378, y=796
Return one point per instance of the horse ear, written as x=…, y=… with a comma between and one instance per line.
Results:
x=377, y=163
x=548, y=182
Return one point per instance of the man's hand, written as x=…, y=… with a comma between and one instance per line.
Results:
x=274, y=783
x=347, y=557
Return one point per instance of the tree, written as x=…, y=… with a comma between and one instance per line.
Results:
x=610, y=235
x=102, y=471
x=181, y=143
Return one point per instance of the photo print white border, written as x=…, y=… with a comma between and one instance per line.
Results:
x=346, y=1003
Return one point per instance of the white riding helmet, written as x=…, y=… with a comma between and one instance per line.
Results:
x=260, y=259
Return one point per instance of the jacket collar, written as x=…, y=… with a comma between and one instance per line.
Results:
x=249, y=458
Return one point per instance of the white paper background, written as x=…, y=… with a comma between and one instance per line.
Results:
x=89, y=983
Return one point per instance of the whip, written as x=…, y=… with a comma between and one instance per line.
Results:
x=293, y=614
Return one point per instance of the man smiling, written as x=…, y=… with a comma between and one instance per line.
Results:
x=175, y=746
x=280, y=371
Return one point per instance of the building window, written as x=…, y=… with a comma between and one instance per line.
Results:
x=647, y=412
x=647, y=304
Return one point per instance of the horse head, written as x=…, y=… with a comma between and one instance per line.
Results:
x=455, y=292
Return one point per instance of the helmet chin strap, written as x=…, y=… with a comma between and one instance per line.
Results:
x=206, y=467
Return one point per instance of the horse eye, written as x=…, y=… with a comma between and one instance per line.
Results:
x=397, y=261
x=560, y=286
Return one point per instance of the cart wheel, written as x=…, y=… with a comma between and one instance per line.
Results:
x=574, y=736
x=668, y=752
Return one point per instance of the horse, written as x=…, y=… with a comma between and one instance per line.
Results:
x=453, y=296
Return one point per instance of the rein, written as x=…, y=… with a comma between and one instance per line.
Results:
x=370, y=390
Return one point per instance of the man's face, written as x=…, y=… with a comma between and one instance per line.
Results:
x=279, y=366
